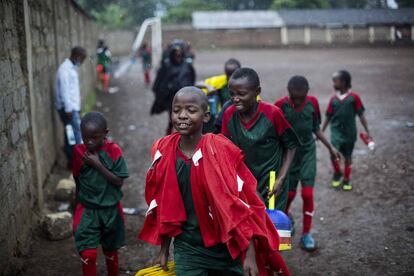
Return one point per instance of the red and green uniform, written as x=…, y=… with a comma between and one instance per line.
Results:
x=263, y=141
x=190, y=255
x=98, y=217
x=305, y=120
x=341, y=113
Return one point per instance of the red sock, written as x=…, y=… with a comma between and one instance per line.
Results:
x=347, y=172
x=88, y=258
x=111, y=259
x=277, y=264
x=291, y=197
x=147, y=77
x=336, y=165
x=308, y=208
x=105, y=81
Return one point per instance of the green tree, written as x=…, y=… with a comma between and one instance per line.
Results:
x=182, y=12
x=405, y=3
x=113, y=16
x=300, y=4
x=349, y=4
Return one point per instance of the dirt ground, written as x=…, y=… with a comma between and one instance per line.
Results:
x=369, y=231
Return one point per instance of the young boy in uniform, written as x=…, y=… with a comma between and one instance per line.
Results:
x=99, y=170
x=343, y=106
x=201, y=193
x=103, y=64
x=303, y=114
x=262, y=133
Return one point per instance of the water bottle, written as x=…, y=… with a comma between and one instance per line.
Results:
x=367, y=140
x=70, y=135
x=212, y=102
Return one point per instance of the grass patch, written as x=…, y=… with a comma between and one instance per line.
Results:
x=90, y=101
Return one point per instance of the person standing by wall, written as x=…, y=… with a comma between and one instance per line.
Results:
x=68, y=100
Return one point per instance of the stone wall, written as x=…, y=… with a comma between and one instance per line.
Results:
x=36, y=36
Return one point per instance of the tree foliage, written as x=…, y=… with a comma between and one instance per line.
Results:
x=182, y=12
x=300, y=4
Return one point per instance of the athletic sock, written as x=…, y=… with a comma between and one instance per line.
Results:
x=105, y=81
x=291, y=197
x=88, y=258
x=337, y=166
x=347, y=172
x=112, y=264
x=308, y=208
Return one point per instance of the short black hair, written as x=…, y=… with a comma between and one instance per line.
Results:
x=96, y=118
x=78, y=51
x=233, y=61
x=195, y=91
x=249, y=73
x=298, y=83
x=345, y=76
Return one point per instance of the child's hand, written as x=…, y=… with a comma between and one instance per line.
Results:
x=277, y=188
x=92, y=159
x=249, y=265
x=335, y=154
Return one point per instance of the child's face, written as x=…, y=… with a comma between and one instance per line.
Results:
x=188, y=114
x=298, y=96
x=93, y=136
x=243, y=94
x=338, y=84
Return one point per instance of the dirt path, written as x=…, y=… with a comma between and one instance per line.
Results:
x=369, y=231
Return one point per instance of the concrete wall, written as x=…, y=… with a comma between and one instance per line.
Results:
x=277, y=37
x=36, y=36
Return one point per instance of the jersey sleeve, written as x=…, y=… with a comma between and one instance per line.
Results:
x=279, y=103
x=226, y=118
x=120, y=167
x=329, y=109
x=359, y=107
x=316, y=125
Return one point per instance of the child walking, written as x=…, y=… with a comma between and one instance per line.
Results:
x=200, y=193
x=343, y=106
x=303, y=113
x=99, y=170
x=262, y=133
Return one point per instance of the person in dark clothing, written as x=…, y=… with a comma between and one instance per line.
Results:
x=174, y=74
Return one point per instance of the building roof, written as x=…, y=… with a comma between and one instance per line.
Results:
x=292, y=18
x=236, y=19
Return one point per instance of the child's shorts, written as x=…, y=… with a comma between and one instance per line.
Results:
x=303, y=167
x=105, y=226
x=345, y=148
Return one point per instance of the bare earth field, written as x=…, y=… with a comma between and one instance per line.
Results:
x=369, y=231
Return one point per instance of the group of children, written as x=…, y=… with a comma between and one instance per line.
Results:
x=207, y=192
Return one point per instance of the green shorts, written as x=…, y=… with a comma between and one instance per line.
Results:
x=345, y=148
x=105, y=226
x=303, y=167
x=194, y=260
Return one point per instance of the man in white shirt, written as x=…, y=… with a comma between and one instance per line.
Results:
x=68, y=99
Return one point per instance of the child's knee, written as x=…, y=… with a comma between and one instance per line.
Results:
x=307, y=193
x=88, y=256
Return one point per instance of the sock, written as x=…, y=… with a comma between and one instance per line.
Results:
x=147, y=77
x=88, y=258
x=277, y=264
x=291, y=197
x=112, y=264
x=347, y=172
x=105, y=80
x=336, y=166
x=308, y=208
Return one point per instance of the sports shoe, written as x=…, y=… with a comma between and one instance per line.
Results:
x=347, y=186
x=308, y=243
x=336, y=180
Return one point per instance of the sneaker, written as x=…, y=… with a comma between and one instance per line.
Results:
x=347, y=186
x=336, y=180
x=308, y=243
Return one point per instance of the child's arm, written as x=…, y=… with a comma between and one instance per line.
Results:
x=249, y=265
x=92, y=159
x=325, y=124
x=287, y=160
x=364, y=124
x=164, y=253
x=334, y=153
